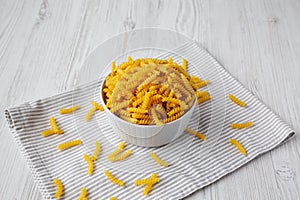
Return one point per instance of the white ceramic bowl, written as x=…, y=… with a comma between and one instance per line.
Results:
x=147, y=135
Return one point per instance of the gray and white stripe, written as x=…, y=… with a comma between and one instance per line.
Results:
x=193, y=163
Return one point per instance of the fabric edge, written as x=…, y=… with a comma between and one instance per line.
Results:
x=36, y=177
x=198, y=187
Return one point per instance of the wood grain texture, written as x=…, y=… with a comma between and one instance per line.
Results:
x=44, y=43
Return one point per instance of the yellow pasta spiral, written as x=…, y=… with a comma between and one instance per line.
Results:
x=238, y=145
x=158, y=160
x=184, y=64
x=203, y=99
x=136, y=86
x=90, y=164
x=243, y=125
x=69, y=144
x=59, y=188
x=95, y=107
x=83, y=194
x=113, y=179
x=195, y=133
x=68, y=110
x=236, y=100
x=148, y=182
x=97, y=151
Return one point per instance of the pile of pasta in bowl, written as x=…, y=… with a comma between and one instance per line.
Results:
x=150, y=92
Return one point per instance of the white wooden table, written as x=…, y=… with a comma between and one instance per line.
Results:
x=44, y=43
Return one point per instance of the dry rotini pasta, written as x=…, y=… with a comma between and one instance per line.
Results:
x=203, y=99
x=69, y=144
x=129, y=119
x=140, y=116
x=113, y=198
x=158, y=160
x=137, y=110
x=145, y=121
x=196, y=133
x=118, y=150
x=96, y=151
x=200, y=94
x=68, y=110
x=95, y=107
x=83, y=194
x=242, y=125
x=120, y=157
x=195, y=79
x=148, y=182
x=116, y=156
x=202, y=83
x=236, y=100
x=113, y=179
x=116, y=107
x=46, y=133
x=54, y=130
x=170, y=61
x=155, y=118
x=151, y=180
x=90, y=164
x=238, y=145
x=113, y=66
x=173, y=118
x=132, y=89
x=53, y=124
x=59, y=188
x=147, y=189
x=184, y=65
x=174, y=111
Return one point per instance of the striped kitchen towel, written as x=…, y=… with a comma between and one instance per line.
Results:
x=193, y=163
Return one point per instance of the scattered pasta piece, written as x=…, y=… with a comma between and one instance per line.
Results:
x=115, y=155
x=95, y=107
x=149, y=182
x=147, y=189
x=240, y=126
x=200, y=94
x=54, y=130
x=158, y=160
x=113, y=179
x=83, y=195
x=236, y=100
x=118, y=150
x=113, y=198
x=48, y=132
x=120, y=157
x=53, y=124
x=202, y=83
x=203, y=99
x=69, y=144
x=97, y=151
x=68, y=110
x=195, y=79
x=59, y=188
x=90, y=164
x=195, y=133
x=238, y=146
